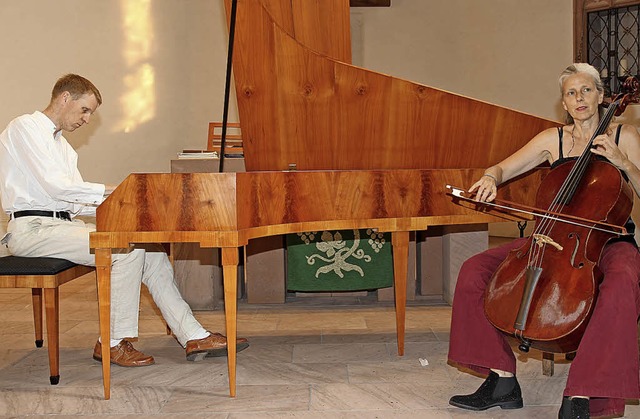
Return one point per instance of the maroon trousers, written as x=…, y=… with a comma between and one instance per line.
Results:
x=606, y=364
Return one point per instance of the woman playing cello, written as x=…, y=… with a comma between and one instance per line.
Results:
x=605, y=370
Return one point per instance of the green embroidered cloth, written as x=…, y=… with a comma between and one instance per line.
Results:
x=347, y=260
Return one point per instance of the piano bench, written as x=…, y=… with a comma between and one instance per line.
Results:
x=43, y=275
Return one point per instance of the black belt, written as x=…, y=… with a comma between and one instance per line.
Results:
x=63, y=215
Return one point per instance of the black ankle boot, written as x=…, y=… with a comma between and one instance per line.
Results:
x=495, y=391
x=576, y=408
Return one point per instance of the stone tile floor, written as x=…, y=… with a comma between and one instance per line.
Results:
x=305, y=361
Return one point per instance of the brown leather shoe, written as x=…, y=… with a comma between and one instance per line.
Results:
x=213, y=345
x=125, y=355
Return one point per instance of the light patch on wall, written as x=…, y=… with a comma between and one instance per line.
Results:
x=138, y=102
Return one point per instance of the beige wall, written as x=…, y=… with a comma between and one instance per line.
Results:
x=165, y=60
x=508, y=52
x=160, y=64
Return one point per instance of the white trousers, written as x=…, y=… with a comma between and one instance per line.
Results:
x=52, y=237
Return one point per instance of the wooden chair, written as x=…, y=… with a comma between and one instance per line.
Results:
x=548, y=362
x=233, y=138
x=43, y=276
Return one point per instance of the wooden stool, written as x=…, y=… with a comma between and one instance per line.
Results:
x=42, y=274
x=548, y=362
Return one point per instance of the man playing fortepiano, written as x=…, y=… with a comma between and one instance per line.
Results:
x=42, y=192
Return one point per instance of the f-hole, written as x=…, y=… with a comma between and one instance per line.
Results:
x=576, y=239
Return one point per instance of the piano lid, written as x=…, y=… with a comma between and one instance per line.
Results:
x=301, y=102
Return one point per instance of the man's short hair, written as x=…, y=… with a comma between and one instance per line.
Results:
x=77, y=86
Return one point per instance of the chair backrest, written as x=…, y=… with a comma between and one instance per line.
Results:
x=233, y=138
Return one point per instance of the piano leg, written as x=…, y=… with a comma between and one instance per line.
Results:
x=400, y=243
x=230, y=261
x=103, y=278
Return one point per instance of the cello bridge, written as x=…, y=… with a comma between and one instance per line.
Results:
x=541, y=240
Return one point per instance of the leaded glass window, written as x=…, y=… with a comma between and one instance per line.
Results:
x=612, y=45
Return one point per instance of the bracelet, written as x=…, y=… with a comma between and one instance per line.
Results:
x=492, y=177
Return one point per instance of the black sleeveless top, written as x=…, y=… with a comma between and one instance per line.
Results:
x=630, y=226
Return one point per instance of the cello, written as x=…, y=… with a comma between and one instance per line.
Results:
x=544, y=292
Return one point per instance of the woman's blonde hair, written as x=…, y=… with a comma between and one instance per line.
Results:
x=576, y=68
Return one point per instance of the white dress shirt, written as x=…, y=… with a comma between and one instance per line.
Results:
x=39, y=170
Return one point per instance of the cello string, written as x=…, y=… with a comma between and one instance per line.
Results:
x=586, y=156
x=571, y=182
x=576, y=173
x=578, y=170
x=568, y=187
x=581, y=166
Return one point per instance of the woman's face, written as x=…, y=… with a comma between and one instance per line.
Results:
x=580, y=97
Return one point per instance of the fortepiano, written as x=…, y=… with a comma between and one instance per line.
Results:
x=371, y=151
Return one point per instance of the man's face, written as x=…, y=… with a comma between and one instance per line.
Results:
x=76, y=112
